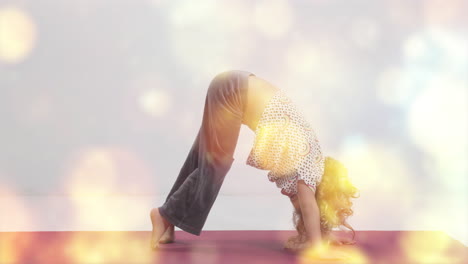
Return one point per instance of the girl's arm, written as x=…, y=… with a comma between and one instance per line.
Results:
x=310, y=213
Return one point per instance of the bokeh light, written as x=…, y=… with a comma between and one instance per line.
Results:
x=205, y=38
x=113, y=247
x=13, y=246
x=273, y=18
x=332, y=254
x=95, y=175
x=427, y=247
x=155, y=102
x=416, y=47
x=151, y=92
x=18, y=34
x=374, y=163
x=435, y=50
x=311, y=68
x=149, y=98
x=437, y=123
x=19, y=215
x=393, y=86
x=303, y=56
x=15, y=215
x=440, y=212
x=431, y=87
x=371, y=164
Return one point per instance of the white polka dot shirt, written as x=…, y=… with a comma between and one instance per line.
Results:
x=286, y=145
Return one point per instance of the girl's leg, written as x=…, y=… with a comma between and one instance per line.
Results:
x=192, y=198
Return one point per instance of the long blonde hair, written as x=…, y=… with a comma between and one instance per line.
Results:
x=333, y=196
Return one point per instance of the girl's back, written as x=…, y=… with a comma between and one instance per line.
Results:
x=259, y=94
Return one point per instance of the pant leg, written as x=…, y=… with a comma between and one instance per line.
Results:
x=190, y=203
x=190, y=164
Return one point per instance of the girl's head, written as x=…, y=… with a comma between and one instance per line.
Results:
x=333, y=197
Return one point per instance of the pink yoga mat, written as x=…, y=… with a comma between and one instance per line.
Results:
x=236, y=247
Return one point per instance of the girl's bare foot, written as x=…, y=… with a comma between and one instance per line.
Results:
x=168, y=236
x=159, y=226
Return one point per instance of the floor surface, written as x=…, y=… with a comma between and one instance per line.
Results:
x=239, y=247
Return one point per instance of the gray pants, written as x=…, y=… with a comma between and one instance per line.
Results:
x=192, y=196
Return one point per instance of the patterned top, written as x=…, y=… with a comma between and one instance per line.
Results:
x=286, y=145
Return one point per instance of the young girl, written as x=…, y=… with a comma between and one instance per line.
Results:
x=285, y=145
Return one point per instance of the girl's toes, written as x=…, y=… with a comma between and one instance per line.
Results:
x=154, y=246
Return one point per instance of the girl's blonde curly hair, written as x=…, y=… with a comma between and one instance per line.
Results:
x=333, y=197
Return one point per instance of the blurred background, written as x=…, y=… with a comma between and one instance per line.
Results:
x=100, y=102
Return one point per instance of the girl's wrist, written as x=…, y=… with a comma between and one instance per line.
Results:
x=315, y=238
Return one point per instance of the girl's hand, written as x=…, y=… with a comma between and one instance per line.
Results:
x=299, y=242
x=333, y=240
